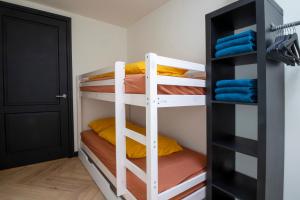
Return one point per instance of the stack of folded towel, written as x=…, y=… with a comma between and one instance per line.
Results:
x=234, y=44
x=242, y=90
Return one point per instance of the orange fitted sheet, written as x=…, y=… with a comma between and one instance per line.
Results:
x=173, y=169
x=135, y=84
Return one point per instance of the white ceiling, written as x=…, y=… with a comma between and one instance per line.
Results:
x=118, y=12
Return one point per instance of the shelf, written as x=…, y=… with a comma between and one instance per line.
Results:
x=236, y=185
x=230, y=15
x=233, y=102
x=238, y=144
x=239, y=59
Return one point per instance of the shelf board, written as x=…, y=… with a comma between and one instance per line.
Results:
x=231, y=15
x=238, y=144
x=233, y=102
x=236, y=185
x=239, y=59
x=230, y=8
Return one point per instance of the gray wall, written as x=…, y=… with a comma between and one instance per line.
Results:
x=292, y=112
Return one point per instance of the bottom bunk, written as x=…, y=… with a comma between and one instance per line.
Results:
x=173, y=169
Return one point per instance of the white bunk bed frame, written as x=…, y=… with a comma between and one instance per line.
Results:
x=152, y=101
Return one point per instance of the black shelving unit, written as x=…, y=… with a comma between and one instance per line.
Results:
x=224, y=182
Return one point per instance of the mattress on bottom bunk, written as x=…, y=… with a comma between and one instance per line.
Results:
x=135, y=84
x=173, y=169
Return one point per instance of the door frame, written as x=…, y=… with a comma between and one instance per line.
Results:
x=68, y=21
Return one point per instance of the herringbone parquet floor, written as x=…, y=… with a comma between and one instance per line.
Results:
x=64, y=179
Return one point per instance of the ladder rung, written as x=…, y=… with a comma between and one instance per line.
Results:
x=136, y=136
x=136, y=170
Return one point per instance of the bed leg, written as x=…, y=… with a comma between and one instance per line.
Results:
x=151, y=126
x=120, y=117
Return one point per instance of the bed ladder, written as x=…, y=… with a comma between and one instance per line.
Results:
x=150, y=140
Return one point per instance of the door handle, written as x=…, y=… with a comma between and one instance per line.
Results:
x=63, y=96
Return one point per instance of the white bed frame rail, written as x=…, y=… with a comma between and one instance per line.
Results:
x=152, y=101
x=141, y=99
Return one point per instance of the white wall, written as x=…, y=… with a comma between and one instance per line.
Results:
x=94, y=44
x=292, y=113
x=177, y=29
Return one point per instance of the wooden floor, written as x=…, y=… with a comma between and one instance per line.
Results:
x=64, y=179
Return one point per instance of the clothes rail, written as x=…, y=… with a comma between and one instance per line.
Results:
x=284, y=26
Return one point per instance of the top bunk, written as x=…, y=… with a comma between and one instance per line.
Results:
x=165, y=82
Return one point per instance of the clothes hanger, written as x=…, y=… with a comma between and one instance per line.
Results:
x=275, y=52
x=285, y=48
x=296, y=46
x=279, y=38
x=271, y=50
x=290, y=47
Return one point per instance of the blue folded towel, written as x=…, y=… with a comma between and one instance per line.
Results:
x=236, y=50
x=239, y=35
x=237, y=83
x=237, y=97
x=235, y=42
x=242, y=90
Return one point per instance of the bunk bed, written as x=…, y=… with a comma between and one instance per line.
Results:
x=120, y=177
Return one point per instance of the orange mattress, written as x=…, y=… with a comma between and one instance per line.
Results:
x=173, y=169
x=135, y=84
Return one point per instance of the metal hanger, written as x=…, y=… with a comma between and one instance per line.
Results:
x=285, y=48
x=274, y=52
x=286, y=45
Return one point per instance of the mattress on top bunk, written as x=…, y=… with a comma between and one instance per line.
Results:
x=173, y=169
x=135, y=84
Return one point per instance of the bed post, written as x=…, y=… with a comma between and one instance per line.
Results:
x=151, y=126
x=120, y=117
x=79, y=113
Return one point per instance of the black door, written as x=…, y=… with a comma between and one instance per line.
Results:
x=35, y=82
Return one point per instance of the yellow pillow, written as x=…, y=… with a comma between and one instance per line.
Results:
x=101, y=124
x=166, y=146
x=99, y=76
x=140, y=68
